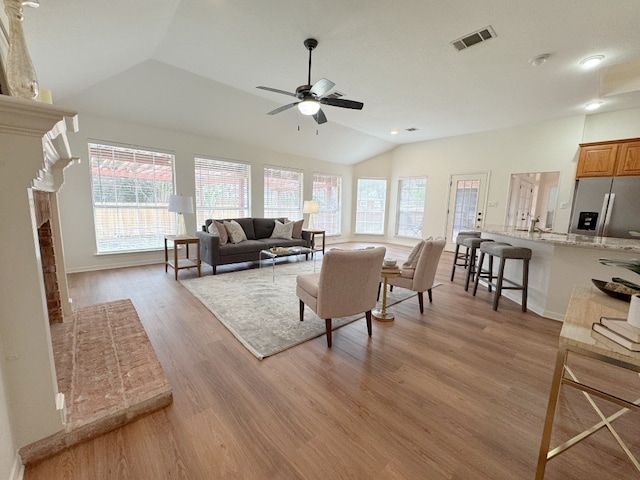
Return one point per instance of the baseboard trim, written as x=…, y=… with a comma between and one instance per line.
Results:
x=17, y=470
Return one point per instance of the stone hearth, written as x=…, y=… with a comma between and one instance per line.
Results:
x=108, y=371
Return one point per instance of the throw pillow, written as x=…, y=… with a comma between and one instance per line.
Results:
x=412, y=259
x=282, y=230
x=297, y=229
x=222, y=232
x=235, y=231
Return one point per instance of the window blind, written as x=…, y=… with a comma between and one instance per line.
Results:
x=411, y=200
x=371, y=204
x=327, y=191
x=282, y=193
x=223, y=189
x=131, y=189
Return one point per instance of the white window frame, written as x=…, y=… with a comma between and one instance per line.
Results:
x=370, y=206
x=130, y=197
x=412, y=196
x=327, y=191
x=223, y=189
x=283, y=188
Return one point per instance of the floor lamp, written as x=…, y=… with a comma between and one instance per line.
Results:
x=311, y=207
x=181, y=205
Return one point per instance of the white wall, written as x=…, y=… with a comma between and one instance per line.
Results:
x=612, y=126
x=545, y=146
x=8, y=446
x=540, y=147
x=75, y=197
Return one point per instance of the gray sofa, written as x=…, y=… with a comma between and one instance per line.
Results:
x=258, y=232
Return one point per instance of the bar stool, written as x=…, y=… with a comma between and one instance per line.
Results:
x=464, y=257
x=487, y=273
x=472, y=244
x=505, y=252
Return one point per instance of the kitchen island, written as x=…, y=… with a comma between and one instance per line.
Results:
x=559, y=262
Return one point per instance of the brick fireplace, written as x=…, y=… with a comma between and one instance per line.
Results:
x=47, y=243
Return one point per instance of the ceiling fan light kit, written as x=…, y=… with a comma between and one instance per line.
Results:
x=308, y=107
x=311, y=97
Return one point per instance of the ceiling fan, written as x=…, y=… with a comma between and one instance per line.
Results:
x=311, y=97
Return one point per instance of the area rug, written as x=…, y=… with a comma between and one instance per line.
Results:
x=260, y=307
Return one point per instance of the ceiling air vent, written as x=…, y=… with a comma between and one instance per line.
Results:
x=411, y=129
x=473, y=38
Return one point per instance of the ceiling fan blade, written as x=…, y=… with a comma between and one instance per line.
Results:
x=342, y=102
x=320, y=117
x=282, y=109
x=322, y=87
x=269, y=89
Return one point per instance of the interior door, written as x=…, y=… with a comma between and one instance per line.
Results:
x=467, y=194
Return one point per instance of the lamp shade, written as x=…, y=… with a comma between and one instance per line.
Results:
x=180, y=204
x=310, y=206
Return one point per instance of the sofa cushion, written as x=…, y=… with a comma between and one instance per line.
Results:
x=247, y=226
x=263, y=227
x=281, y=242
x=297, y=229
x=218, y=228
x=235, y=231
x=412, y=259
x=249, y=248
x=282, y=230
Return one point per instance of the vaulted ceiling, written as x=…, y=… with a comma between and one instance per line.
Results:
x=193, y=65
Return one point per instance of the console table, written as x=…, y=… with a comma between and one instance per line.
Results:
x=586, y=306
x=181, y=263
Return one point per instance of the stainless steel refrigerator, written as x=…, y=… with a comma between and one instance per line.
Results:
x=606, y=207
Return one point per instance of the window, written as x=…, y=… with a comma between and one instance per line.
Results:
x=282, y=193
x=411, y=198
x=131, y=189
x=327, y=191
x=464, y=216
x=222, y=189
x=371, y=199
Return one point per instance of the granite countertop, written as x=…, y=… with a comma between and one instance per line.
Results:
x=567, y=239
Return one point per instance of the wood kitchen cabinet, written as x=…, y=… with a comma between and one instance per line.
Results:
x=607, y=159
x=629, y=158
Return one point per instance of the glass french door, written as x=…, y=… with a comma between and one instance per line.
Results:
x=467, y=193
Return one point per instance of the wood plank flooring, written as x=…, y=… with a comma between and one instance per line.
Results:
x=457, y=393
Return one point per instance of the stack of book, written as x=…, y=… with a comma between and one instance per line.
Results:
x=618, y=330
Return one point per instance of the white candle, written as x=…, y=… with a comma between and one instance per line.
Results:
x=44, y=96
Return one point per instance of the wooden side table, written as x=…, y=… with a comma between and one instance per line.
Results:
x=381, y=314
x=313, y=233
x=181, y=263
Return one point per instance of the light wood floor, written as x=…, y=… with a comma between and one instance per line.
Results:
x=457, y=393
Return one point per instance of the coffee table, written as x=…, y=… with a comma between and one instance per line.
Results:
x=279, y=252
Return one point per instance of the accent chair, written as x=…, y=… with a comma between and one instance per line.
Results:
x=347, y=284
x=420, y=276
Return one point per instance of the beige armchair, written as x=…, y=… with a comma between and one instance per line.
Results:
x=347, y=284
x=419, y=275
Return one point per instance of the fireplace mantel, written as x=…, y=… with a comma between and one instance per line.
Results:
x=33, y=154
x=46, y=122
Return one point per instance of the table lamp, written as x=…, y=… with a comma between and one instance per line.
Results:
x=311, y=207
x=181, y=205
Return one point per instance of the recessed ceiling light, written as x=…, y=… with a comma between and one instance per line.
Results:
x=393, y=132
x=539, y=59
x=593, y=105
x=591, y=62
